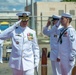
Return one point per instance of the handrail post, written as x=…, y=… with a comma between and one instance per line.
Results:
x=44, y=62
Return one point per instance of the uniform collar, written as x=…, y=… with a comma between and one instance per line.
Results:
x=22, y=28
x=68, y=26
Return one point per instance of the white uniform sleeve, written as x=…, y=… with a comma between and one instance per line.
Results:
x=72, y=38
x=36, y=50
x=7, y=33
x=58, y=23
x=1, y=42
x=48, y=32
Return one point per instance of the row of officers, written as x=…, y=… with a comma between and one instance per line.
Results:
x=24, y=58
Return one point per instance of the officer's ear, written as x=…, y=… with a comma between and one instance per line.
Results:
x=69, y=20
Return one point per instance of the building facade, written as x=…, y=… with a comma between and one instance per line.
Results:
x=44, y=10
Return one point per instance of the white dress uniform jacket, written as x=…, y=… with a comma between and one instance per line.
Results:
x=53, y=34
x=67, y=50
x=25, y=50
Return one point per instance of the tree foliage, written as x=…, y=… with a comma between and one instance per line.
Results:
x=68, y=0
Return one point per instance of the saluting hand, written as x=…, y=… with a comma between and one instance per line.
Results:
x=48, y=23
x=18, y=22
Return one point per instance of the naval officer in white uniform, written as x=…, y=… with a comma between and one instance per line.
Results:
x=67, y=44
x=25, y=50
x=52, y=33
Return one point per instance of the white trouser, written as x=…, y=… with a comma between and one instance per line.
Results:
x=56, y=68
x=67, y=66
x=1, y=54
x=20, y=72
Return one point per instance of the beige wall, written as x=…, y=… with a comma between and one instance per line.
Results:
x=49, y=8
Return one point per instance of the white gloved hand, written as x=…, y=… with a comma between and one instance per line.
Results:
x=17, y=23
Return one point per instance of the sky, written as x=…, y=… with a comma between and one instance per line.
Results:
x=18, y=5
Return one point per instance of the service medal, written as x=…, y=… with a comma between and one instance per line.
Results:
x=30, y=36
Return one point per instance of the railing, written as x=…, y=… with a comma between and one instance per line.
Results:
x=39, y=22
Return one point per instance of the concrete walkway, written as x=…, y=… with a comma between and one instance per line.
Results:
x=5, y=69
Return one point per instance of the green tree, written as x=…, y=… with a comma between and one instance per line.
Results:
x=68, y=0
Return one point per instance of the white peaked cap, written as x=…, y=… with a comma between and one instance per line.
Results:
x=56, y=17
x=24, y=12
x=66, y=15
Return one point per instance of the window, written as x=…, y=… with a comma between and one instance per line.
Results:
x=72, y=12
x=61, y=11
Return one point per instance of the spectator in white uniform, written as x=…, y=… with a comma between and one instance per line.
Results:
x=67, y=44
x=1, y=50
x=25, y=50
x=52, y=33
